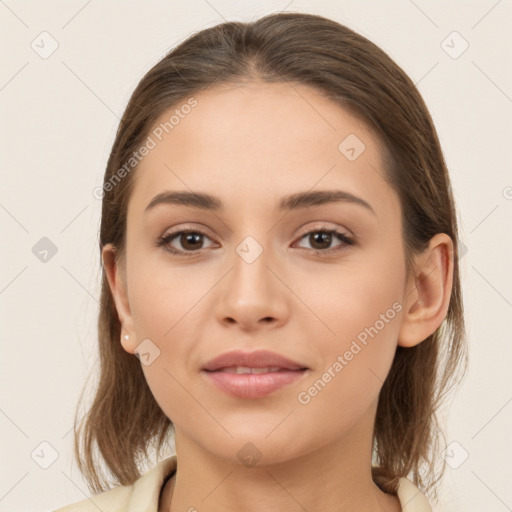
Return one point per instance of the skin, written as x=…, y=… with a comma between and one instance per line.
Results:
x=250, y=145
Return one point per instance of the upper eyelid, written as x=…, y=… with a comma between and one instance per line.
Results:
x=323, y=227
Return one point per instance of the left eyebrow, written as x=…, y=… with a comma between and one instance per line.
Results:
x=295, y=201
x=319, y=197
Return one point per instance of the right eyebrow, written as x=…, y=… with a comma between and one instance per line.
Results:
x=192, y=199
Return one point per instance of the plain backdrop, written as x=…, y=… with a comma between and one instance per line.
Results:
x=59, y=113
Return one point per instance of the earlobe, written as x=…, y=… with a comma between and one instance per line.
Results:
x=128, y=343
x=428, y=292
x=116, y=277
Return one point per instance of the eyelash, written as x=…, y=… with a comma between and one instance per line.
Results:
x=166, y=239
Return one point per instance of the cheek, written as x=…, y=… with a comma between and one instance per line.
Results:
x=162, y=307
x=162, y=296
x=345, y=301
x=355, y=365
x=355, y=331
x=168, y=374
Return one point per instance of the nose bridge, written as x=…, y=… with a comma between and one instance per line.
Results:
x=251, y=263
x=253, y=252
x=252, y=292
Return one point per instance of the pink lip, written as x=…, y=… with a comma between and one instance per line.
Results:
x=255, y=359
x=253, y=385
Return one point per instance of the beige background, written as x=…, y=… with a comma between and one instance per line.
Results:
x=58, y=119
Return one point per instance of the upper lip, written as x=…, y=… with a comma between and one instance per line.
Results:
x=255, y=359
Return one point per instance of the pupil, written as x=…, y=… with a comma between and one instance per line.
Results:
x=191, y=237
x=325, y=236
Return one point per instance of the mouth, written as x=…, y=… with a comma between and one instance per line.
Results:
x=242, y=370
x=258, y=359
x=253, y=374
x=252, y=383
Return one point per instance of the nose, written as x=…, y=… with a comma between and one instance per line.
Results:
x=253, y=294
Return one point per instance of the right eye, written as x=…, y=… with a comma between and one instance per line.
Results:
x=189, y=239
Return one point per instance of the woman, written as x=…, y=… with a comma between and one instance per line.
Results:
x=281, y=293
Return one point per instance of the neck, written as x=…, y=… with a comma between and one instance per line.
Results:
x=332, y=478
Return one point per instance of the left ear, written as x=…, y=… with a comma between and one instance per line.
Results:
x=428, y=291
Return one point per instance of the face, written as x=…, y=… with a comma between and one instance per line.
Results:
x=321, y=283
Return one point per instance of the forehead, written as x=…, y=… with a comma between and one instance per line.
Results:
x=259, y=139
x=234, y=114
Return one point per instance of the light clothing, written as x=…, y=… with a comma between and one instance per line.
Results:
x=144, y=494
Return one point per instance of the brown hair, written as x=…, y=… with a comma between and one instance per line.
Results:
x=124, y=419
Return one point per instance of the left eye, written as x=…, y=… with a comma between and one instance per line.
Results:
x=191, y=241
x=324, y=236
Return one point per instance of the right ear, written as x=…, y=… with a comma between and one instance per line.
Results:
x=116, y=276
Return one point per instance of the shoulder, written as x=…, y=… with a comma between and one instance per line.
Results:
x=115, y=499
x=143, y=494
x=411, y=498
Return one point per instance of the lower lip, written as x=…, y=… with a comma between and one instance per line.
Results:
x=253, y=385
